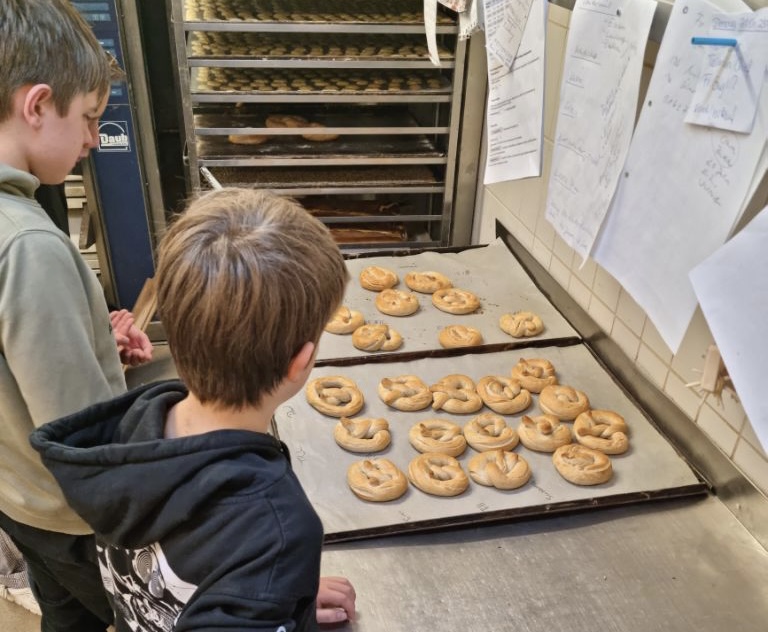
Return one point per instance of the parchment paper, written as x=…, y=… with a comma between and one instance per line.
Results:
x=650, y=465
x=491, y=272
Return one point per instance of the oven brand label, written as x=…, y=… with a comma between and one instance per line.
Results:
x=113, y=136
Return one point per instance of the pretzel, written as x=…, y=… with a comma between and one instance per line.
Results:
x=543, y=433
x=286, y=120
x=376, y=338
x=438, y=435
x=503, y=395
x=602, y=430
x=455, y=336
x=489, y=431
x=437, y=474
x=396, y=302
x=247, y=139
x=455, y=301
x=499, y=469
x=362, y=434
x=534, y=374
x=405, y=392
x=344, y=321
x=564, y=402
x=377, y=480
x=521, y=324
x=581, y=465
x=376, y=278
x=335, y=396
x=427, y=282
x=455, y=394
x=319, y=138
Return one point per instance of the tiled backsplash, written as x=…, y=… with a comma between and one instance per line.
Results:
x=519, y=206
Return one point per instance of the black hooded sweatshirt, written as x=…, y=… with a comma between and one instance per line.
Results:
x=209, y=532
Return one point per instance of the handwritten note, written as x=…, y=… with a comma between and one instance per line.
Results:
x=598, y=102
x=505, y=22
x=515, y=111
x=683, y=187
x=731, y=77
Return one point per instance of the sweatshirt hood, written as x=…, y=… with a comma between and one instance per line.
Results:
x=130, y=484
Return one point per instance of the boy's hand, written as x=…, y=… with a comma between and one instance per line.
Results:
x=132, y=343
x=335, y=600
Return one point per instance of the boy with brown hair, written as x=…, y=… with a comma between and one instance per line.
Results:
x=201, y=523
x=57, y=350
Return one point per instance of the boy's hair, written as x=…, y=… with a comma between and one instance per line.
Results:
x=245, y=278
x=47, y=41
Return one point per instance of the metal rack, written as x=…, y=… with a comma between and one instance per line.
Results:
x=361, y=71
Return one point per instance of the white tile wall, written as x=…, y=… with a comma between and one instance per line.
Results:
x=519, y=206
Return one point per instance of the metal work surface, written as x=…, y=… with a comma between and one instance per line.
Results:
x=678, y=566
x=649, y=469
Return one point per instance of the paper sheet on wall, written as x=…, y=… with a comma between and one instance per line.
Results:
x=515, y=111
x=505, y=22
x=598, y=104
x=731, y=76
x=683, y=186
x=732, y=288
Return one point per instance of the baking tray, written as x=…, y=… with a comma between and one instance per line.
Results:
x=346, y=147
x=390, y=176
x=224, y=45
x=491, y=272
x=651, y=468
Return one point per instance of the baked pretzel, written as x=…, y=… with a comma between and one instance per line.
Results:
x=564, y=402
x=499, y=469
x=344, y=321
x=455, y=336
x=362, y=434
x=455, y=394
x=521, y=324
x=335, y=396
x=377, y=480
x=318, y=138
x=396, y=302
x=286, y=120
x=455, y=301
x=437, y=474
x=376, y=278
x=534, y=374
x=489, y=431
x=602, y=430
x=377, y=337
x=503, y=395
x=405, y=392
x=247, y=139
x=543, y=433
x=438, y=435
x=581, y=465
x=427, y=282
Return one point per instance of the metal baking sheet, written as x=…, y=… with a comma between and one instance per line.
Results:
x=295, y=146
x=491, y=272
x=650, y=469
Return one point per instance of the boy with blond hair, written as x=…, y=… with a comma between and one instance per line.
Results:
x=57, y=349
x=200, y=521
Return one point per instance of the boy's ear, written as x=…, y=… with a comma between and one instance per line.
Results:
x=302, y=362
x=34, y=100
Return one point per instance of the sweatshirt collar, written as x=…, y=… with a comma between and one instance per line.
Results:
x=18, y=182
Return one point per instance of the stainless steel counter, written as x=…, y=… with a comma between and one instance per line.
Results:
x=675, y=565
